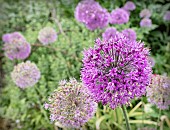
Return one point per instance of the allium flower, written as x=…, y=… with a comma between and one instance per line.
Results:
x=110, y=32
x=145, y=13
x=10, y=37
x=16, y=47
x=152, y=61
x=167, y=16
x=47, y=35
x=91, y=14
x=146, y=22
x=71, y=104
x=119, y=16
x=116, y=70
x=129, y=6
x=130, y=34
x=25, y=74
x=158, y=92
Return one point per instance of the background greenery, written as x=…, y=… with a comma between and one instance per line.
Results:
x=23, y=109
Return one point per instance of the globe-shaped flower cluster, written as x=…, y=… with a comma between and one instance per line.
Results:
x=129, y=6
x=158, y=92
x=146, y=22
x=91, y=14
x=130, y=34
x=16, y=46
x=109, y=32
x=145, y=13
x=47, y=35
x=71, y=104
x=116, y=70
x=119, y=16
x=25, y=74
x=166, y=16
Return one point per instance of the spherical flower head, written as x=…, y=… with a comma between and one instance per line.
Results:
x=25, y=74
x=91, y=14
x=16, y=47
x=130, y=34
x=158, y=92
x=71, y=104
x=47, y=35
x=110, y=32
x=119, y=16
x=129, y=6
x=116, y=70
x=145, y=13
x=10, y=37
x=152, y=61
x=167, y=16
x=146, y=22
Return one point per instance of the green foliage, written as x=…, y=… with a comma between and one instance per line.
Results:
x=62, y=60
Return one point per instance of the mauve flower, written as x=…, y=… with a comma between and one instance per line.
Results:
x=47, y=35
x=152, y=61
x=145, y=13
x=117, y=70
x=119, y=16
x=109, y=32
x=25, y=74
x=130, y=34
x=91, y=14
x=71, y=105
x=146, y=22
x=158, y=92
x=10, y=37
x=167, y=16
x=129, y=6
x=16, y=47
x=146, y=128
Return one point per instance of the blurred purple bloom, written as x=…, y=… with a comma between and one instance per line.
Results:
x=145, y=13
x=167, y=16
x=146, y=22
x=109, y=32
x=116, y=70
x=152, y=61
x=158, y=92
x=10, y=37
x=47, y=35
x=130, y=34
x=91, y=14
x=16, y=46
x=129, y=6
x=25, y=74
x=119, y=16
x=71, y=104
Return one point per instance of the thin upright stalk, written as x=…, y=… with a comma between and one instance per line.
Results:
x=158, y=119
x=126, y=117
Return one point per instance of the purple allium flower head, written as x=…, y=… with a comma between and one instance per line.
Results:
x=129, y=6
x=145, y=13
x=158, y=92
x=146, y=22
x=16, y=47
x=47, y=35
x=91, y=14
x=119, y=16
x=167, y=16
x=116, y=70
x=152, y=61
x=25, y=74
x=10, y=37
x=110, y=32
x=71, y=104
x=130, y=34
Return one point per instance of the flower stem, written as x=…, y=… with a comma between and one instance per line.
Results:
x=126, y=117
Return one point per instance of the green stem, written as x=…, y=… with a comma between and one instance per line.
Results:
x=158, y=119
x=126, y=118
